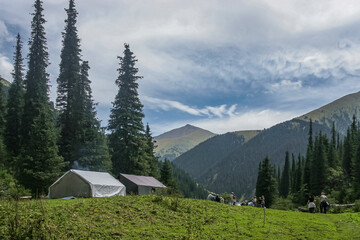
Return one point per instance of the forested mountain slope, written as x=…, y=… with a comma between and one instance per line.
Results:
x=236, y=170
x=208, y=153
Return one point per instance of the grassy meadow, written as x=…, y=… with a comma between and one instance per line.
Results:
x=157, y=217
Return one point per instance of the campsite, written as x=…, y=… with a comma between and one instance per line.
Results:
x=179, y=119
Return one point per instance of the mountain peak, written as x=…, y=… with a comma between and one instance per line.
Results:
x=181, y=132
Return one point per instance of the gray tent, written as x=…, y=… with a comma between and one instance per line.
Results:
x=80, y=183
x=141, y=185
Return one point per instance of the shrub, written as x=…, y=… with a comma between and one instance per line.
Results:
x=283, y=204
x=9, y=188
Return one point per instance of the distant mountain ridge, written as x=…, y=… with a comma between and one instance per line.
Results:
x=339, y=111
x=208, y=153
x=236, y=169
x=177, y=141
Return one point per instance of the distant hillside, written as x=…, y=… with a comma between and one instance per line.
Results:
x=236, y=170
x=208, y=153
x=339, y=111
x=175, y=142
x=6, y=86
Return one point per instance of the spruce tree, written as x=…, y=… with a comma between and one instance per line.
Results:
x=15, y=106
x=308, y=161
x=356, y=182
x=292, y=174
x=285, y=178
x=127, y=140
x=153, y=161
x=166, y=177
x=3, y=154
x=67, y=90
x=332, y=153
x=347, y=163
x=319, y=166
x=91, y=150
x=266, y=184
x=41, y=164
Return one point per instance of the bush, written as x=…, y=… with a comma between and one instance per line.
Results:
x=9, y=188
x=283, y=204
x=356, y=208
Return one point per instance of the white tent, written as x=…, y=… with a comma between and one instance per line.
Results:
x=78, y=183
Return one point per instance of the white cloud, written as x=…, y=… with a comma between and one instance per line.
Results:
x=286, y=85
x=207, y=48
x=208, y=111
x=251, y=120
x=5, y=67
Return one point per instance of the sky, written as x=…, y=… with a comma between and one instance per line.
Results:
x=222, y=65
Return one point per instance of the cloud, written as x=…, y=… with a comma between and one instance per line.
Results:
x=208, y=111
x=250, y=120
x=200, y=55
x=5, y=67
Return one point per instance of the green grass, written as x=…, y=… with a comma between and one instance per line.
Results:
x=156, y=217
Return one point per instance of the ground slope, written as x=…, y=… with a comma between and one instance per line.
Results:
x=156, y=217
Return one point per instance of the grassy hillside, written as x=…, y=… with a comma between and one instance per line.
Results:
x=156, y=217
x=339, y=111
x=173, y=143
x=248, y=134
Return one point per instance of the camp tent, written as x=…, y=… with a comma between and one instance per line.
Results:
x=141, y=185
x=80, y=183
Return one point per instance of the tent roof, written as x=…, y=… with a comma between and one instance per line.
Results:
x=144, y=180
x=97, y=178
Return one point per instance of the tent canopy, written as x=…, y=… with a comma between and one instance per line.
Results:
x=81, y=183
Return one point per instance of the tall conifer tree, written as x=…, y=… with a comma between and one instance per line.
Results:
x=15, y=106
x=166, y=177
x=68, y=84
x=91, y=150
x=266, y=184
x=127, y=139
x=3, y=154
x=41, y=164
x=285, y=178
x=308, y=160
x=153, y=161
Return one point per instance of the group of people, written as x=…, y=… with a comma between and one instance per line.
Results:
x=254, y=202
x=215, y=197
x=323, y=203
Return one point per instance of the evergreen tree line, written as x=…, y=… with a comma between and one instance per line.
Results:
x=331, y=165
x=36, y=147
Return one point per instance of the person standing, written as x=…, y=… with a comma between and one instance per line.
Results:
x=233, y=198
x=311, y=204
x=254, y=200
x=323, y=202
x=262, y=201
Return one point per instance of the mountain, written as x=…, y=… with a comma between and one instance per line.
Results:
x=339, y=111
x=235, y=169
x=175, y=142
x=203, y=156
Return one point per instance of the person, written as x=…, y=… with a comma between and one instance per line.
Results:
x=217, y=198
x=254, y=200
x=233, y=198
x=262, y=201
x=311, y=204
x=211, y=196
x=323, y=202
x=251, y=203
